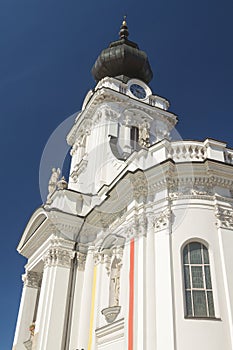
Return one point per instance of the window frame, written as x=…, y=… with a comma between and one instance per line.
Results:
x=210, y=313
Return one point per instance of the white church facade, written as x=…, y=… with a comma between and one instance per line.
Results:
x=134, y=251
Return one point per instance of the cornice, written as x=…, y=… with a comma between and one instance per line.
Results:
x=106, y=95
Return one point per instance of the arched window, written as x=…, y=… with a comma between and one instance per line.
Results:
x=134, y=137
x=197, y=281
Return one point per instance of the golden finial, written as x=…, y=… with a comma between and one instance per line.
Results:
x=124, y=21
x=124, y=33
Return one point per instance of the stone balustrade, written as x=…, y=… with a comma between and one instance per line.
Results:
x=192, y=151
x=186, y=151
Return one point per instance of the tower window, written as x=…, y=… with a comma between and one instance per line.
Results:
x=197, y=281
x=134, y=137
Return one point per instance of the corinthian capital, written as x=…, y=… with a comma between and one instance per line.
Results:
x=81, y=261
x=58, y=256
x=32, y=279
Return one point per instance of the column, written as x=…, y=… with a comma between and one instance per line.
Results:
x=165, y=337
x=150, y=287
x=85, y=307
x=32, y=281
x=224, y=225
x=53, y=300
x=77, y=298
x=140, y=339
x=95, y=310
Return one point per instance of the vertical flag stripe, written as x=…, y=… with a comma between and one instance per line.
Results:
x=131, y=297
x=92, y=308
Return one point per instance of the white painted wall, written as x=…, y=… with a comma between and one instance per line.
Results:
x=176, y=213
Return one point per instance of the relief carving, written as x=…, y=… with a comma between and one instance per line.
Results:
x=162, y=220
x=111, y=114
x=189, y=190
x=224, y=217
x=78, y=169
x=140, y=185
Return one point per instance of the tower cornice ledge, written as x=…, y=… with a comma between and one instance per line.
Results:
x=106, y=94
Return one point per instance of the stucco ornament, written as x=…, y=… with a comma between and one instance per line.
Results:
x=139, y=185
x=144, y=135
x=54, y=178
x=224, y=217
x=32, y=279
x=114, y=264
x=162, y=219
x=81, y=257
x=62, y=184
x=58, y=257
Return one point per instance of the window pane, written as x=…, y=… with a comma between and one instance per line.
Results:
x=186, y=277
x=195, y=253
x=206, y=255
x=210, y=303
x=134, y=133
x=185, y=256
x=208, y=278
x=197, y=281
x=199, y=303
x=197, y=277
x=188, y=304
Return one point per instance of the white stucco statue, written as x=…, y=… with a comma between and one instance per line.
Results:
x=144, y=135
x=53, y=180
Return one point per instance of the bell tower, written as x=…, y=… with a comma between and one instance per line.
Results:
x=133, y=251
x=119, y=116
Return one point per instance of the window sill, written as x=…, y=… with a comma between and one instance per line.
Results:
x=205, y=318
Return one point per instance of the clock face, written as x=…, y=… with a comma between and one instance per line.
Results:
x=138, y=91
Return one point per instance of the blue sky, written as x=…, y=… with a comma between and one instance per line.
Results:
x=47, y=50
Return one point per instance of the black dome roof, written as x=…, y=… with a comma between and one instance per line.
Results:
x=122, y=58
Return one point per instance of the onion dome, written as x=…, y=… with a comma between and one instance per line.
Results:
x=122, y=60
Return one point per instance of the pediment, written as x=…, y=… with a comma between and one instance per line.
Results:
x=35, y=222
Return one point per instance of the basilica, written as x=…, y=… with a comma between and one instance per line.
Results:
x=133, y=250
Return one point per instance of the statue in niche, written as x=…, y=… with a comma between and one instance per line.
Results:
x=53, y=180
x=114, y=289
x=114, y=254
x=144, y=135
